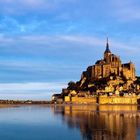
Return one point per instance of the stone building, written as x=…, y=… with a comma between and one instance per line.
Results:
x=110, y=64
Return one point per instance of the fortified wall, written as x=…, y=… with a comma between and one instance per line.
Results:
x=102, y=100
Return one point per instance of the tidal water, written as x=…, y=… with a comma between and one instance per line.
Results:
x=79, y=122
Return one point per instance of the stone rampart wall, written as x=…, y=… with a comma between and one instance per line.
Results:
x=117, y=100
x=84, y=100
x=102, y=100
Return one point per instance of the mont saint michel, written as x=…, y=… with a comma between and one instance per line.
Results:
x=108, y=81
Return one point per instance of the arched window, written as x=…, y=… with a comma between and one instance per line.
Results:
x=113, y=59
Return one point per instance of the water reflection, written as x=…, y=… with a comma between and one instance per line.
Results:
x=102, y=122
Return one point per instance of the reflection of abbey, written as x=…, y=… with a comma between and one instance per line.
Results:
x=110, y=64
x=100, y=122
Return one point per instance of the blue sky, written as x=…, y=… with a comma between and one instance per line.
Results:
x=50, y=42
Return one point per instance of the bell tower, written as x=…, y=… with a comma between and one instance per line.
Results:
x=107, y=53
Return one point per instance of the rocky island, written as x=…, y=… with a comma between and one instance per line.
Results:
x=108, y=81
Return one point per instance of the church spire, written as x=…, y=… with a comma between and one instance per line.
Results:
x=107, y=47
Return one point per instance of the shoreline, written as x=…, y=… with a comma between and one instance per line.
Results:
x=24, y=102
x=4, y=103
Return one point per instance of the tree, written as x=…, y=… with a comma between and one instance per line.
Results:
x=72, y=85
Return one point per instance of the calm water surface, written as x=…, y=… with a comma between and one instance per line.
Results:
x=70, y=123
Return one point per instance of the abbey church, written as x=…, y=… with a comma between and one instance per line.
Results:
x=110, y=64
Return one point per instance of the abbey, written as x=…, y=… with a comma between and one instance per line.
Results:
x=110, y=64
x=108, y=81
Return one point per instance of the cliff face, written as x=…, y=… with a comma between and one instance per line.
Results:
x=111, y=84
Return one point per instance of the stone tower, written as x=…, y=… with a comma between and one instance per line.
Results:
x=107, y=53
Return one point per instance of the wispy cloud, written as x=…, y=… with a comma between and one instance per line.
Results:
x=126, y=10
x=16, y=7
x=31, y=86
x=46, y=41
x=33, y=91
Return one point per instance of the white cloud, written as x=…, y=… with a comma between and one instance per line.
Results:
x=43, y=42
x=16, y=7
x=31, y=86
x=83, y=41
x=31, y=91
x=87, y=40
x=126, y=10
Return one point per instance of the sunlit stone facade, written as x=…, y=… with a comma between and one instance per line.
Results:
x=110, y=64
